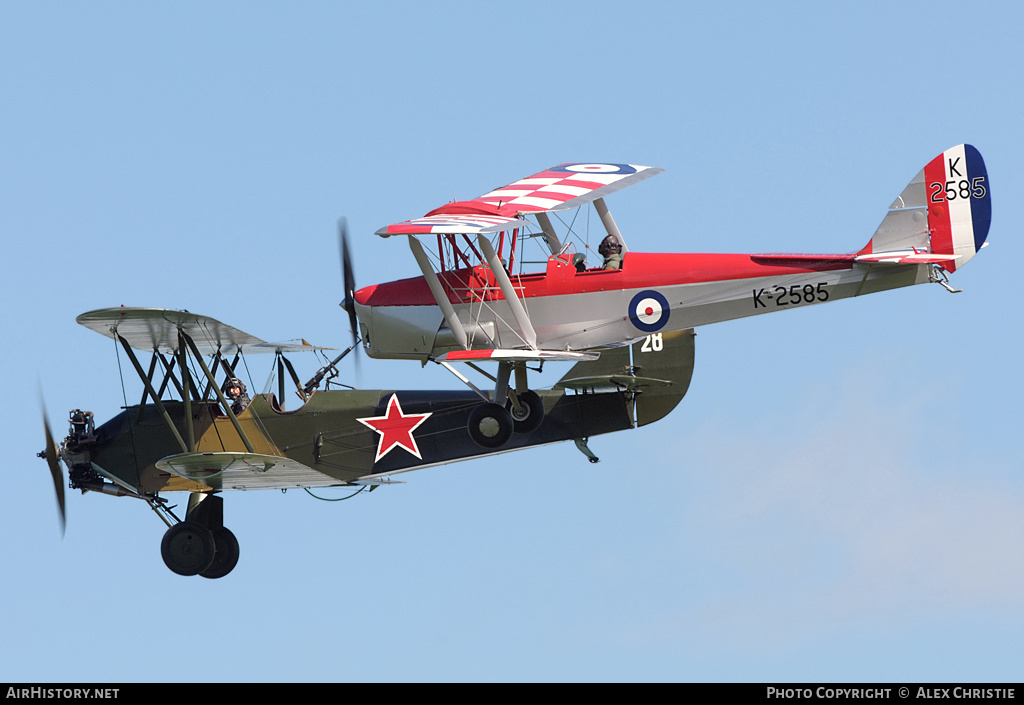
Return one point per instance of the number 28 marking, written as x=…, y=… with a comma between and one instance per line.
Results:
x=653, y=343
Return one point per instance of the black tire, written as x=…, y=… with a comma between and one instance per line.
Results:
x=188, y=548
x=226, y=557
x=490, y=425
x=532, y=414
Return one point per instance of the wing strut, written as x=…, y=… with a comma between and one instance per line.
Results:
x=464, y=379
x=438, y=291
x=152, y=392
x=186, y=397
x=549, y=232
x=518, y=310
x=608, y=221
x=220, y=394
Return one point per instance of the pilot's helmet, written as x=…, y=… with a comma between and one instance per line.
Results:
x=233, y=382
x=610, y=246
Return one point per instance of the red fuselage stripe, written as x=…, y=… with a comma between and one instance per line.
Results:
x=640, y=270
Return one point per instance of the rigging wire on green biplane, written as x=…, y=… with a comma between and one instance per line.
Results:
x=337, y=499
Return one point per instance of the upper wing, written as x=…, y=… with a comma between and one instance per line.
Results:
x=559, y=188
x=453, y=223
x=156, y=329
x=565, y=186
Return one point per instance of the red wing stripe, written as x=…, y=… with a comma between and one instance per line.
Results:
x=469, y=354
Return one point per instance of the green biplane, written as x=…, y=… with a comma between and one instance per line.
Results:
x=184, y=436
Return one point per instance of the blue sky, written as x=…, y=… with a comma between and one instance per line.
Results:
x=837, y=498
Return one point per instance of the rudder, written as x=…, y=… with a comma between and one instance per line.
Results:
x=945, y=210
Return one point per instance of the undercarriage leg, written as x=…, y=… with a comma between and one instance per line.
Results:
x=501, y=383
x=205, y=509
x=513, y=409
x=526, y=406
x=520, y=369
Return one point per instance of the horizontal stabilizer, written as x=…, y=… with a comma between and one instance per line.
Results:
x=656, y=371
x=517, y=355
x=615, y=382
x=823, y=263
x=906, y=257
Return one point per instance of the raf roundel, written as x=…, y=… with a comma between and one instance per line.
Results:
x=621, y=169
x=649, y=311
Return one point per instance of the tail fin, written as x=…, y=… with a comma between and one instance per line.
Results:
x=944, y=211
x=657, y=371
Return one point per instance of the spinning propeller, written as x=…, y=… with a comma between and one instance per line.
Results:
x=348, y=278
x=348, y=303
x=51, y=455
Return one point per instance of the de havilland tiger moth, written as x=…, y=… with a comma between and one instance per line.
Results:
x=481, y=302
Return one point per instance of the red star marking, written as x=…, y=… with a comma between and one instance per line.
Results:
x=395, y=429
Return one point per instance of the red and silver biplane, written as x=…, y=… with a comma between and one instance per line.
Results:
x=626, y=322
x=477, y=298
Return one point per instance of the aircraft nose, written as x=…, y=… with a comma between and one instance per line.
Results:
x=362, y=297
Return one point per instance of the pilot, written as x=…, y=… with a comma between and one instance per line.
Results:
x=234, y=389
x=611, y=249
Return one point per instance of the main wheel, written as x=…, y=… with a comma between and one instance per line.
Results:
x=490, y=425
x=532, y=412
x=188, y=548
x=226, y=557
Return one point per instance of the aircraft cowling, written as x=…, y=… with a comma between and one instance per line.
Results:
x=399, y=332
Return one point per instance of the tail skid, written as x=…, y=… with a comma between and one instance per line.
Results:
x=940, y=276
x=942, y=217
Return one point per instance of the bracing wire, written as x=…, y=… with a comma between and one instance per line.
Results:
x=337, y=499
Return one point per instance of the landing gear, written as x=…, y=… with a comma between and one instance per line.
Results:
x=530, y=413
x=226, y=557
x=188, y=548
x=201, y=545
x=490, y=425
